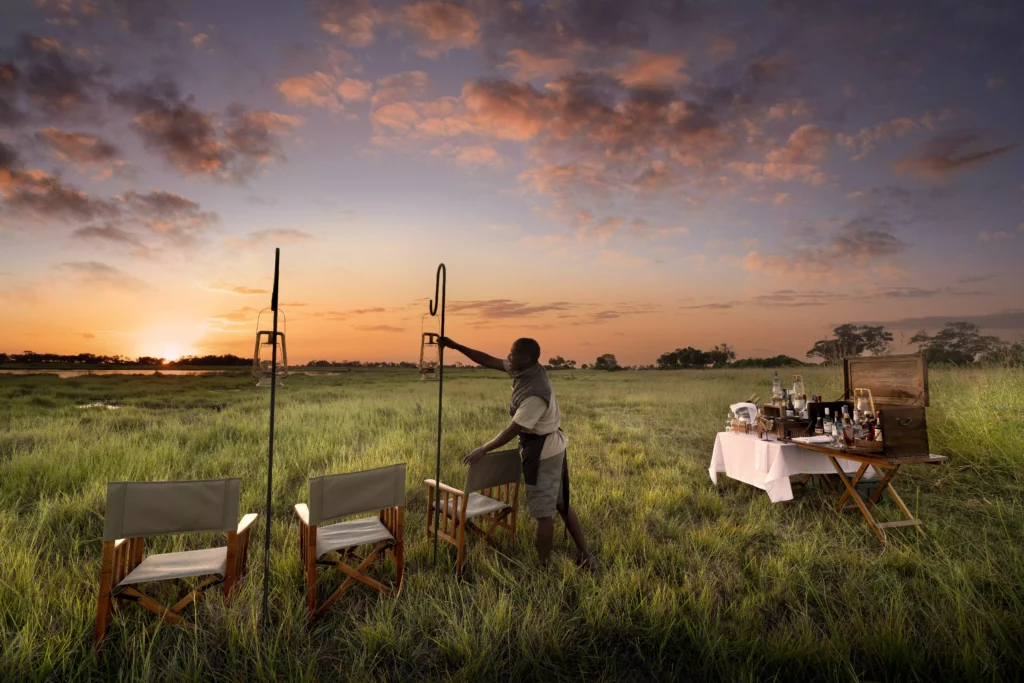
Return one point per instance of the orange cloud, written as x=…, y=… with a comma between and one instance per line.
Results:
x=527, y=66
x=312, y=90
x=441, y=26
x=354, y=90
x=945, y=155
x=646, y=69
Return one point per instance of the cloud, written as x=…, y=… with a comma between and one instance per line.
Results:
x=1011, y=319
x=798, y=160
x=402, y=86
x=43, y=196
x=647, y=69
x=190, y=140
x=724, y=306
x=945, y=155
x=101, y=275
x=527, y=66
x=354, y=21
x=641, y=228
x=470, y=156
x=859, y=243
x=999, y=236
x=233, y=320
x=864, y=142
x=354, y=90
x=258, y=238
x=221, y=286
x=500, y=309
x=316, y=89
x=83, y=150
x=111, y=233
x=441, y=26
x=995, y=83
x=379, y=328
x=180, y=220
x=52, y=83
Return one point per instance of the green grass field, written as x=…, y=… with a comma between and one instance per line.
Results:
x=697, y=583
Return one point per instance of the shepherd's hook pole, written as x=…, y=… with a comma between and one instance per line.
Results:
x=440, y=285
x=270, y=450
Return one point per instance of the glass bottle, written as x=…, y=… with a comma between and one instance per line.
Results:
x=776, y=387
x=819, y=426
x=828, y=422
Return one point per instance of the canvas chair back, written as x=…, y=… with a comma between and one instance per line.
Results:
x=162, y=508
x=354, y=493
x=494, y=469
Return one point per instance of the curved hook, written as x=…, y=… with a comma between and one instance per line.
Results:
x=440, y=284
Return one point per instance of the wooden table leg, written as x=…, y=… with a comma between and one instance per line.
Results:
x=876, y=492
x=852, y=492
x=856, y=480
x=912, y=521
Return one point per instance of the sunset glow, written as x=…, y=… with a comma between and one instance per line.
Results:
x=629, y=181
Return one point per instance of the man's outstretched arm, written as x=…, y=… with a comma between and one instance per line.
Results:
x=478, y=357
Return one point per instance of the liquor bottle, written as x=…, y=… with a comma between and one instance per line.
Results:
x=790, y=410
x=803, y=408
x=837, y=432
x=819, y=426
x=776, y=387
x=858, y=426
x=878, y=427
x=828, y=422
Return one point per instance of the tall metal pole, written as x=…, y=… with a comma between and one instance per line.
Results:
x=270, y=449
x=440, y=283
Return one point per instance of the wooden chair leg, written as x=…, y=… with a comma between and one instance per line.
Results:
x=103, y=603
x=310, y=565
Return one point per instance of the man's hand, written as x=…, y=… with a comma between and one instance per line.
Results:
x=446, y=342
x=474, y=455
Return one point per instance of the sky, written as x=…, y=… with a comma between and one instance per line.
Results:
x=606, y=177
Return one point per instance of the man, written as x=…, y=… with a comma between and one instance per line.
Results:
x=536, y=421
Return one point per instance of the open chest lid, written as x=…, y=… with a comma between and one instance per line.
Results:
x=893, y=380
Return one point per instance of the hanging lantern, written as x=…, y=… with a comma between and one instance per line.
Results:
x=430, y=354
x=263, y=354
x=798, y=385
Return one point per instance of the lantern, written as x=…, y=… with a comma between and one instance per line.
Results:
x=263, y=354
x=798, y=386
x=430, y=355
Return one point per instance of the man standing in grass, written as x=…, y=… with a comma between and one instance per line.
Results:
x=536, y=421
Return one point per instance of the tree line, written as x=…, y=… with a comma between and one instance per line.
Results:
x=33, y=358
x=957, y=343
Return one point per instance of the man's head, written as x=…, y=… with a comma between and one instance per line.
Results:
x=524, y=354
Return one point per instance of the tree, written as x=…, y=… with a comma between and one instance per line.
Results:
x=852, y=340
x=782, y=361
x=559, y=363
x=607, y=362
x=957, y=343
x=721, y=355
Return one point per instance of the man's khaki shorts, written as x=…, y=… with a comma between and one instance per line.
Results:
x=542, y=498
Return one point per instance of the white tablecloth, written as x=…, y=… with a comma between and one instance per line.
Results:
x=769, y=464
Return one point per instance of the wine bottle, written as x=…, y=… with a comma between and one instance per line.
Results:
x=819, y=426
x=828, y=422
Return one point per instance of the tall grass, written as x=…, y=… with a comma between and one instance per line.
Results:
x=695, y=583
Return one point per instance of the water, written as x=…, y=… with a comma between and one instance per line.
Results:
x=64, y=374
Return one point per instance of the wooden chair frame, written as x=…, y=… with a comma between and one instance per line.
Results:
x=453, y=527
x=393, y=518
x=120, y=557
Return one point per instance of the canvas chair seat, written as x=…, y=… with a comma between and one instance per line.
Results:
x=380, y=491
x=350, y=534
x=478, y=504
x=179, y=566
x=140, y=510
x=497, y=476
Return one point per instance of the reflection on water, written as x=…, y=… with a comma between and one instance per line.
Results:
x=82, y=373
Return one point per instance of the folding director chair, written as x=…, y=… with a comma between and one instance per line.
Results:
x=136, y=510
x=496, y=477
x=380, y=490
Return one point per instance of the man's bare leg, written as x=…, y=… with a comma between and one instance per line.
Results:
x=545, y=537
x=572, y=523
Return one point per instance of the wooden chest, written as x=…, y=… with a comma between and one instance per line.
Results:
x=899, y=386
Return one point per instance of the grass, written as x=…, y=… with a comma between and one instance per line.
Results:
x=698, y=583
